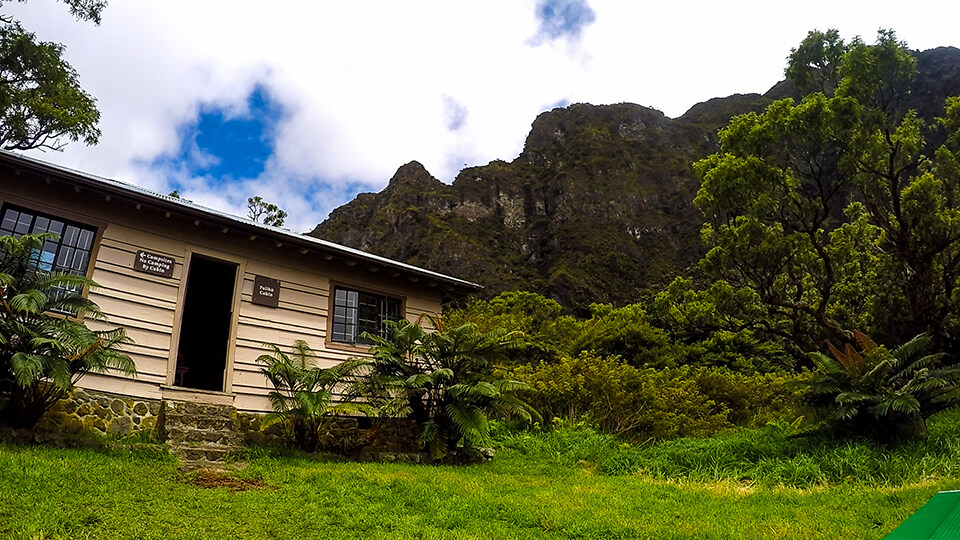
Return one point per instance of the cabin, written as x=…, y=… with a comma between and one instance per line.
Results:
x=201, y=292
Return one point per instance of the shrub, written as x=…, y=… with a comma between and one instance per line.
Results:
x=753, y=399
x=623, y=400
x=645, y=403
x=536, y=316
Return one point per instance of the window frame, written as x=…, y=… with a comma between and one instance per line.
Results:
x=68, y=217
x=356, y=346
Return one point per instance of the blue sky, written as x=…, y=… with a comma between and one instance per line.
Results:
x=563, y=18
x=309, y=103
x=225, y=145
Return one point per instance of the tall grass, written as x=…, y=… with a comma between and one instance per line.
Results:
x=771, y=456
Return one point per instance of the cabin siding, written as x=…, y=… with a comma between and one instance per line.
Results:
x=148, y=306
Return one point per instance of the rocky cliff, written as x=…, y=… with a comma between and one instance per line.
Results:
x=597, y=208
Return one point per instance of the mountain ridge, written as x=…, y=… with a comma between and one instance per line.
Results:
x=598, y=207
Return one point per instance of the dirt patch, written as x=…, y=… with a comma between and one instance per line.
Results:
x=210, y=478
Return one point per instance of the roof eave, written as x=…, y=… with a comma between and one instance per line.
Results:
x=194, y=211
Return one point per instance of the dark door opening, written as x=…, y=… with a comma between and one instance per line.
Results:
x=205, y=324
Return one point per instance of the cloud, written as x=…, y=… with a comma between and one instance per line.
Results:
x=454, y=113
x=562, y=18
x=350, y=97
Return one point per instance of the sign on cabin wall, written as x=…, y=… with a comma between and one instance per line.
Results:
x=266, y=291
x=151, y=263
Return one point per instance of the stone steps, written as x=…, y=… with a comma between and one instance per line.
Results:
x=200, y=435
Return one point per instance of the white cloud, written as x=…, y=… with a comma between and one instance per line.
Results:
x=368, y=86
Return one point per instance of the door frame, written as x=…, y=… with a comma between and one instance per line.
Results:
x=219, y=256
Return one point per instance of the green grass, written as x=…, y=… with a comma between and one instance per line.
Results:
x=571, y=483
x=768, y=457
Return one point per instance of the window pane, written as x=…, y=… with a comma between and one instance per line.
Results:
x=41, y=225
x=70, y=236
x=23, y=224
x=46, y=261
x=66, y=254
x=9, y=220
x=86, y=240
x=80, y=260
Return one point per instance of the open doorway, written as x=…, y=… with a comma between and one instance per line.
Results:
x=205, y=324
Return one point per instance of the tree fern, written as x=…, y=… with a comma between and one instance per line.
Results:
x=43, y=356
x=445, y=381
x=303, y=393
x=879, y=394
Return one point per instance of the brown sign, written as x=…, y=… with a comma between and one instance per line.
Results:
x=266, y=291
x=151, y=263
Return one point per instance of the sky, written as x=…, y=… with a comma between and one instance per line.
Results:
x=309, y=103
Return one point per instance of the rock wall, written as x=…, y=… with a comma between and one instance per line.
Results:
x=101, y=412
x=373, y=439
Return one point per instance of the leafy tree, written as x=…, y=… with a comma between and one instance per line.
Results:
x=43, y=355
x=303, y=393
x=41, y=101
x=263, y=212
x=883, y=395
x=815, y=64
x=776, y=194
x=445, y=381
x=719, y=326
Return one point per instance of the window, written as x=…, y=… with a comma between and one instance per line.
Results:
x=69, y=252
x=356, y=312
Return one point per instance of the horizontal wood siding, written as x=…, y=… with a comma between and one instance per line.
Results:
x=146, y=304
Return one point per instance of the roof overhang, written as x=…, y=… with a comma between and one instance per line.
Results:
x=140, y=196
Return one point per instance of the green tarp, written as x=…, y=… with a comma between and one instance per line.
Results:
x=939, y=519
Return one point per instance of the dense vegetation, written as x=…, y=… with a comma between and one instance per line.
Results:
x=833, y=226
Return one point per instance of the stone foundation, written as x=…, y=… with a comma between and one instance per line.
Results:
x=101, y=412
x=368, y=439
x=374, y=439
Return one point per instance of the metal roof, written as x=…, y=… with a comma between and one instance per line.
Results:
x=185, y=207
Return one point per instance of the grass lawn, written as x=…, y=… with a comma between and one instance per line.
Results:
x=54, y=493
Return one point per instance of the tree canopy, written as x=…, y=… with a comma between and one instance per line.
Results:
x=834, y=209
x=261, y=211
x=41, y=101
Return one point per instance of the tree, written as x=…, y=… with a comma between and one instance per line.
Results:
x=43, y=355
x=41, y=101
x=303, y=393
x=815, y=63
x=445, y=381
x=781, y=222
x=263, y=212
